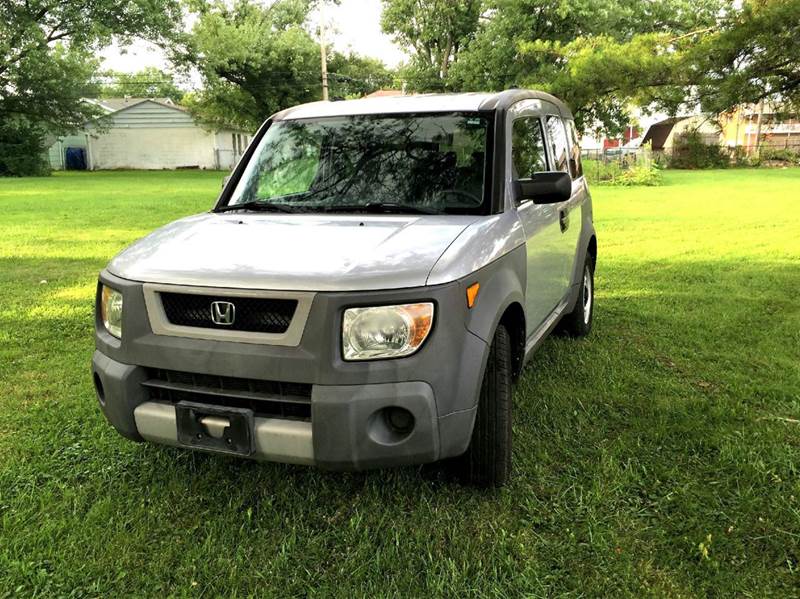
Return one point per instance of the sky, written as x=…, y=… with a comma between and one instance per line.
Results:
x=353, y=24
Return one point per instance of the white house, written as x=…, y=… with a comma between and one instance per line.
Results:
x=147, y=133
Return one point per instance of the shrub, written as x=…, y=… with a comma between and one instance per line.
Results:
x=22, y=151
x=600, y=172
x=690, y=152
x=767, y=154
x=640, y=175
x=627, y=171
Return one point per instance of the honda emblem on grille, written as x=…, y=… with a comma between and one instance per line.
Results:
x=223, y=313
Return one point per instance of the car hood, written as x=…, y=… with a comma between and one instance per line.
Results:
x=292, y=252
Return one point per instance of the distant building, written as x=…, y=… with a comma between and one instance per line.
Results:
x=663, y=134
x=740, y=128
x=147, y=133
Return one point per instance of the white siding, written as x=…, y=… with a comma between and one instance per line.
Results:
x=149, y=135
x=157, y=148
x=228, y=154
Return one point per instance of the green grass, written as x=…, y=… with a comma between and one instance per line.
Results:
x=657, y=457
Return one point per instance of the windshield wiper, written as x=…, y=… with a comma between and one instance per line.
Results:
x=257, y=206
x=378, y=208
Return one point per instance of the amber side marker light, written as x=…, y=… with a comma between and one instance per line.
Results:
x=472, y=294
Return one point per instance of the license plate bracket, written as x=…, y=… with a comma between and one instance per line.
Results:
x=202, y=426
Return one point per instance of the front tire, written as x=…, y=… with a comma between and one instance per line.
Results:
x=578, y=323
x=487, y=461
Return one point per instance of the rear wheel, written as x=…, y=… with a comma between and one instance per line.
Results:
x=578, y=323
x=487, y=462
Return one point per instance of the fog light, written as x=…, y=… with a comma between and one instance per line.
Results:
x=400, y=420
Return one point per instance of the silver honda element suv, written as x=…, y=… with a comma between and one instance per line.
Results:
x=365, y=291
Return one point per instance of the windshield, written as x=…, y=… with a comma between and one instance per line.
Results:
x=403, y=163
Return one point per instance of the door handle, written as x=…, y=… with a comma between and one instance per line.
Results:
x=563, y=220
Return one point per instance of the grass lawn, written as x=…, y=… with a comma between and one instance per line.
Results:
x=658, y=457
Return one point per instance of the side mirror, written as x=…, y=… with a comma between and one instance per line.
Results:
x=225, y=181
x=544, y=188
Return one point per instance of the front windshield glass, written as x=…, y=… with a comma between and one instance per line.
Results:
x=429, y=163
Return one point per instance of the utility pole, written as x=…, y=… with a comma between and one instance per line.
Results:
x=323, y=51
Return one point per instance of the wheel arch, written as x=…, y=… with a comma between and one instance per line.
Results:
x=513, y=319
x=501, y=300
x=591, y=248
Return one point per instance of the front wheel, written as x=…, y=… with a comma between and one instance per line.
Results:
x=487, y=462
x=578, y=323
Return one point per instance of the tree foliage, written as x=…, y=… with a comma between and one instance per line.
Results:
x=753, y=54
x=353, y=76
x=744, y=55
x=436, y=30
x=149, y=82
x=47, y=52
x=253, y=60
x=257, y=59
x=495, y=59
x=603, y=55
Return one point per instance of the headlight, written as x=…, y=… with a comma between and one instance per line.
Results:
x=385, y=331
x=111, y=311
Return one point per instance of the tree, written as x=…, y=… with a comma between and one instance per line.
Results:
x=47, y=52
x=600, y=77
x=437, y=30
x=258, y=59
x=47, y=58
x=743, y=56
x=595, y=54
x=565, y=47
x=150, y=82
x=254, y=60
x=353, y=76
x=752, y=55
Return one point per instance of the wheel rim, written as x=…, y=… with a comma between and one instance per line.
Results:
x=587, y=295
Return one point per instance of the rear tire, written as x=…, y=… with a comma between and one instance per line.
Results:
x=578, y=323
x=487, y=461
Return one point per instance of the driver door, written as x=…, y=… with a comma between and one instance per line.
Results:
x=540, y=222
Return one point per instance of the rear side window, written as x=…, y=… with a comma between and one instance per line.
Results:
x=558, y=143
x=527, y=148
x=575, y=166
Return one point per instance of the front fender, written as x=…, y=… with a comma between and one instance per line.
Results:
x=502, y=283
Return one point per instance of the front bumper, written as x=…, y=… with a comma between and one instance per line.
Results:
x=345, y=431
x=439, y=385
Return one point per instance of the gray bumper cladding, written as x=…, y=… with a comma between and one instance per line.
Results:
x=351, y=429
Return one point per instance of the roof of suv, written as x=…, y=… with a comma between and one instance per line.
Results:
x=466, y=102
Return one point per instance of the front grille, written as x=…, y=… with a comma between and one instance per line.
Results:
x=272, y=399
x=250, y=314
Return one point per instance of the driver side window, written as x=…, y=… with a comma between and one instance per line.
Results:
x=527, y=148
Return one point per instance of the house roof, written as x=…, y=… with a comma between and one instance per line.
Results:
x=111, y=105
x=658, y=132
